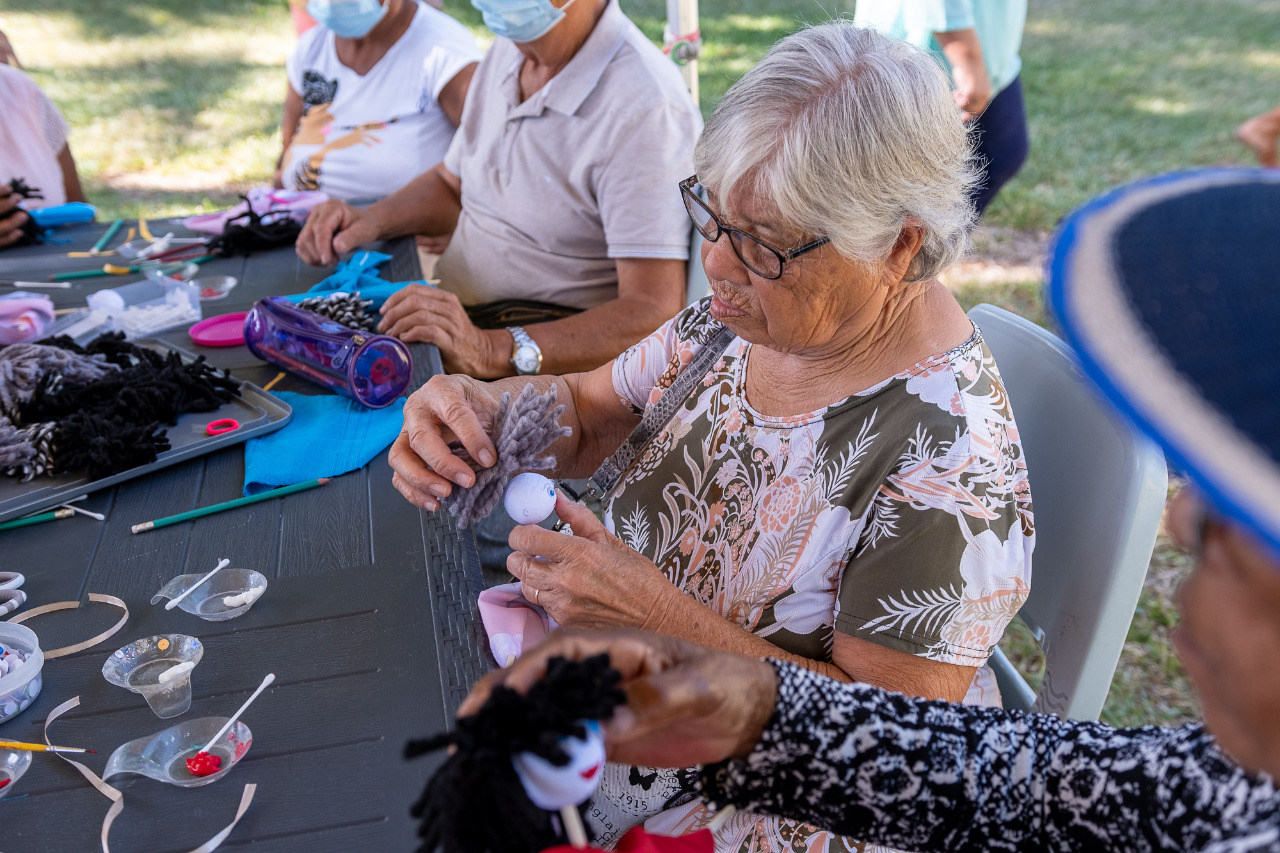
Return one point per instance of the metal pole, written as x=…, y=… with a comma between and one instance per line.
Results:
x=682, y=41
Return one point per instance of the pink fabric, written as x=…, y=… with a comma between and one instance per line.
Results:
x=296, y=203
x=32, y=132
x=513, y=622
x=23, y=316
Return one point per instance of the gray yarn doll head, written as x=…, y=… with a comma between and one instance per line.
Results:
x=522, y=430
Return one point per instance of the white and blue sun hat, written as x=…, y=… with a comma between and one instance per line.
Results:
x=1169, y=291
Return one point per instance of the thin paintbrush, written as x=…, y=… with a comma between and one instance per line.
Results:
x=40, y=747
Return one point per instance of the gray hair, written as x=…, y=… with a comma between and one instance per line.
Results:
x=851, y=134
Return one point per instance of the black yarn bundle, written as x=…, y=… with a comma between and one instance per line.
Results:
x=475, y=803
x=30, y=230
x=245, y=238
x=111, y=422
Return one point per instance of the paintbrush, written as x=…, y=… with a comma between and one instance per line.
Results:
x=40, y=747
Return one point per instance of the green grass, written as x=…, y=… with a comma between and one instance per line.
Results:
x=175, y=107
x=175, y=104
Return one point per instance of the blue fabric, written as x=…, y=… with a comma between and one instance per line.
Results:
x=327, y=436
x=357, y=273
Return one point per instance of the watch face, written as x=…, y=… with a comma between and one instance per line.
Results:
x=526, y=360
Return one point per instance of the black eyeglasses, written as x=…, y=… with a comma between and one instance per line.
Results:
x=756, y=255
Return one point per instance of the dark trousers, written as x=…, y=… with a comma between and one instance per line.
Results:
x=1002, y=142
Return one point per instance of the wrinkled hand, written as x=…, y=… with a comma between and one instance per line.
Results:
x=590, y=579
x=418, y=313
x=1229, y=605
x=332, y=229
x=446, y=409
x=11, y=218
x=973, y=90
x=686, y=704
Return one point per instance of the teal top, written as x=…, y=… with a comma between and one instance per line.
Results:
x=998, y=24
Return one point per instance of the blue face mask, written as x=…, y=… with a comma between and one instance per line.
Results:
x=350, y=19
x=520, y=20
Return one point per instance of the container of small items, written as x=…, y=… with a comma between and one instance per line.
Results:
x=20, y=669
x=149, y=307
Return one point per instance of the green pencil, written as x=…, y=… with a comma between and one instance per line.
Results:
x=36, y=519
x=111, y=232
x=210, y=510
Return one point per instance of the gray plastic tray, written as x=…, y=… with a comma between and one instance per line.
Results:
x=257, y=411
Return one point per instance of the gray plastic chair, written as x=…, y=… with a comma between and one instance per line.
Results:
x=1098, y=488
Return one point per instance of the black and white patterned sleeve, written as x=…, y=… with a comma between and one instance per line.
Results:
x=920, y=775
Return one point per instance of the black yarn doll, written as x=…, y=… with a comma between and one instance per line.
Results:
x=523, y=765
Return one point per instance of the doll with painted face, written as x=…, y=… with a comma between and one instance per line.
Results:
x=522, y=765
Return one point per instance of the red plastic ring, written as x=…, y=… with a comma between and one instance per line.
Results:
x=221, y=426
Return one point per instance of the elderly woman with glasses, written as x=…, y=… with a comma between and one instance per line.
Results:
x=843, y=487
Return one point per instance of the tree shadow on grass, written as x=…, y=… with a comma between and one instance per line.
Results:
x=100, y=20
x=137, y=100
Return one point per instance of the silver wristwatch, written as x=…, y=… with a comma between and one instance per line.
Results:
x=526, y=356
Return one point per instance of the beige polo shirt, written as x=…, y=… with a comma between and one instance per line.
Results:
x=583, y=172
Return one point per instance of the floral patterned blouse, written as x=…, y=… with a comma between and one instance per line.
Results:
x=900, y=515
x=934, y=776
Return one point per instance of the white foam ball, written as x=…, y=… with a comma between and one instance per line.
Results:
x=529, y=498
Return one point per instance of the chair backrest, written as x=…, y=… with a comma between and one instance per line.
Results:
x=696, y=284
x=1098, y=489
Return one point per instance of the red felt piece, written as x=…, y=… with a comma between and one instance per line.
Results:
x=639, y=841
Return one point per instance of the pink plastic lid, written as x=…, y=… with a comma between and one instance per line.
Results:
x=225, y=330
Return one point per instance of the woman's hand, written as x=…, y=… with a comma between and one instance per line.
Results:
x=11, y=218
x=973, y=90
x=686, y=704
x=447, y=408
x=590, y=579
x=419, y=313
x=333, y=228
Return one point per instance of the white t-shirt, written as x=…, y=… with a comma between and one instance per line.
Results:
x=367, y=136
x=32, y=133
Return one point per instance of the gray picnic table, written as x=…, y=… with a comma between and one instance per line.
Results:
x=369, y=624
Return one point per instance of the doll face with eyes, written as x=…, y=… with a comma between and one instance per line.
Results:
x=552, y=788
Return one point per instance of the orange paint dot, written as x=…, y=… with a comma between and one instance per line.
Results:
x=162, y=645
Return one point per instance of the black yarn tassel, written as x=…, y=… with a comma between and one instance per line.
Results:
x=244, y=239
x=116, y=422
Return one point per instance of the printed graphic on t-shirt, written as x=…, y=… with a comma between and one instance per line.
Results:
x=317, y=128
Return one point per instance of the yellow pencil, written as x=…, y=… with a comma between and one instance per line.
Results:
x=40, y=747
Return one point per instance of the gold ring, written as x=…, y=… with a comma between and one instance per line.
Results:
x=535, y=596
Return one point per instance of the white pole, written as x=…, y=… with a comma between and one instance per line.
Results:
x=682, y=23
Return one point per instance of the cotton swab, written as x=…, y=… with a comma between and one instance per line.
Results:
x=173, y=602
x=209, y=764
x=175, y=671
x=249, y=596
x=68, y=505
